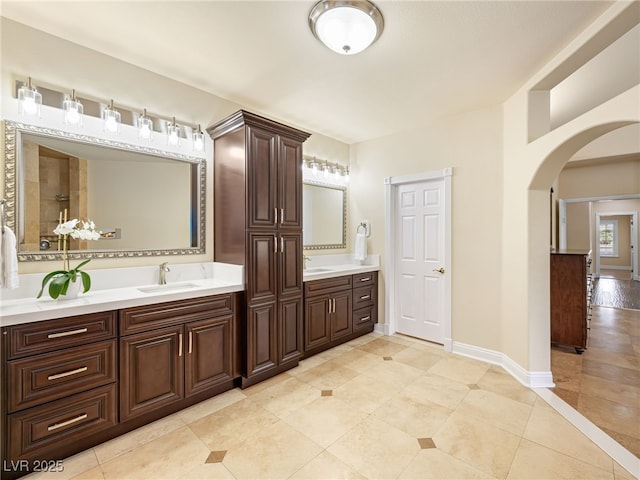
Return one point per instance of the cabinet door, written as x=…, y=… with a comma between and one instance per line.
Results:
x=290, y=264
x=262, y=178
x=290, y=329
x=290, y=184
x=317, y=329
x=209, y=355
x=261, y=267
x=341, y=323
x=151, y=371
x=262, y=335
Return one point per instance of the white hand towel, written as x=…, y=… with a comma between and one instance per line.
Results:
x=8, y=260
x=360, y=250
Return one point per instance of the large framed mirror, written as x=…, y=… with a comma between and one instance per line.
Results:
x=324, y=216
x=145, y=201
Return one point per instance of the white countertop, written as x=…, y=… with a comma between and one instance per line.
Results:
x=117, y=288
x=114, y=289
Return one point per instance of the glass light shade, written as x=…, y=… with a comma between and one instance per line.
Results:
x=314, y=168
x=145, y=126
x=346, y=27
x=111, y=119
x=73, y=111
x=29, y=100
x=198, y=140
x=173, y=133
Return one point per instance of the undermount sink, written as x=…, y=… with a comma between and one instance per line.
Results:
x=317, y=270
x=167, y=287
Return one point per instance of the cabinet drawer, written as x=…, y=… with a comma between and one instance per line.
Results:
x=365, y=318
x=364, y=296
x=50, y=335
x=327, y=285
x=141, y=319
x=364, y=279
x=51, y=376
x=34, y=431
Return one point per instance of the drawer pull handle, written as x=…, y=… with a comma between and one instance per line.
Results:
x=365, y=319
x=365, y=297
x=68, y=422
x=180, y=345
x=66, y=374
x=365, y=279
x=66, y=334
x=190, y=342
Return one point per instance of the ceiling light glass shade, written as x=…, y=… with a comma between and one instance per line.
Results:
x=346, y=26
x=145, y=126
x=73, y=110
x=29, y=100
x=111, y=119
x=198, y=140
x=173, y=132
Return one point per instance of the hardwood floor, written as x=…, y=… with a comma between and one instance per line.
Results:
x=603, y=383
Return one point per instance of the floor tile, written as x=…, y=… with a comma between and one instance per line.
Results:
x=415, y=418
x=366, y=393
x=77, y=465
x=611, y=415
x=498, y=381
x=437, y=465
x=437, y=389
x=328, y=375
x=326, y=466
x=180, y=455
x=548, y=428
x=383, y=347
x=627, y=376
x=501, y=411
x=460, y=369
x=614, y=391
x=480, y=444
x=232, y=425
x=285, y=397
x=417, y=358
x=396, y=373
x=533, y=461
x=325, y=420
x=202, y=409
x=127, y=442
x=375, y=449
x=276, y=451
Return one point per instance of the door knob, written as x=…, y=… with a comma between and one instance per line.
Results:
x=441, y=269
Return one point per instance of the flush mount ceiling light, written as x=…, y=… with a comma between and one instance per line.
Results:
x=346, y=26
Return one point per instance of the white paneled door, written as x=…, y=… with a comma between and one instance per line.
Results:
x=420, y=259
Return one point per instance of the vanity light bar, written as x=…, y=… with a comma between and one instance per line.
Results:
x=93, y=108
x=324, y=167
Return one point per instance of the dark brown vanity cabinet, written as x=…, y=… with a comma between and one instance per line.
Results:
x=172, y=351
x=338, y=309
x=258, y=224
x=59, y=386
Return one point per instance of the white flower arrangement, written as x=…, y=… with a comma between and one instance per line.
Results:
x=60, y=279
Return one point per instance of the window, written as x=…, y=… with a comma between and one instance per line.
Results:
x=608, y=238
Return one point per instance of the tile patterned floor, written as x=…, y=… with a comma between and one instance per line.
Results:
x=375, y=408
x=615, y=288
x=603, y=383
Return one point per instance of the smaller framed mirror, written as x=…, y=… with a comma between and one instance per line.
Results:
x=324, y=216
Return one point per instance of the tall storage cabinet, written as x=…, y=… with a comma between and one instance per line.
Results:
x=258, y=224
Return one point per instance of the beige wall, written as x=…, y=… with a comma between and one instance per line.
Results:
x=471, y=143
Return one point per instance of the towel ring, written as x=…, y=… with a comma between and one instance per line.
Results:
x=366, y=228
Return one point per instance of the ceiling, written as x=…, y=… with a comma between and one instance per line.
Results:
x=434, y=58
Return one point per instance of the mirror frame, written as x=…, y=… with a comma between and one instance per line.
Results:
x=12, y=131
x=344, y=217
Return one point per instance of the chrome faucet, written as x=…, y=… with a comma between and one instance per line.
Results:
x=305, y=259
x=163, y=273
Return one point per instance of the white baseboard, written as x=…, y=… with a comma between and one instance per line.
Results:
x=525, y=377
x=382, y=328
x=615, y=267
